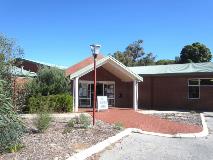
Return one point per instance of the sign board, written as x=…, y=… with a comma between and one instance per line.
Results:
x=102, y=102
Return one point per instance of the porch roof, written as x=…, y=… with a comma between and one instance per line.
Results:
x=113, y=66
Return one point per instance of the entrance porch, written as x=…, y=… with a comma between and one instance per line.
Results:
x=114, y=80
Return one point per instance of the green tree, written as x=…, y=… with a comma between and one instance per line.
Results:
x=11, y=127
x=9, y=51
x=195, y=53
x=49, y=81
x=148, y=59
x=134, y=55
x=165, y=62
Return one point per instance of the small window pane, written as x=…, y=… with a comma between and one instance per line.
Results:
x=193, y=82
x=84, y=90
x=194, y=92
x=109, y=90
x=111, y=102
x=84, y=102
x=206, y=82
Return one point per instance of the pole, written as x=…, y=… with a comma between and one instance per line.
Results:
x=94, y=95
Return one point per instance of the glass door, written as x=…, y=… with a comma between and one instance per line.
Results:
x=84, y=94
x=109, y=91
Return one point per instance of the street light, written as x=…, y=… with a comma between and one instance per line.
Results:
x=95, y=48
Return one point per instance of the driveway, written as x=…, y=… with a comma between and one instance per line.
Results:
x=147, y=147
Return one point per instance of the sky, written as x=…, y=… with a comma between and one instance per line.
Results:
x=60, y=31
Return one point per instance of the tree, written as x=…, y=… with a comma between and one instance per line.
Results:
x=149, y=59
x=11, y=127
x=9, y=51
x=134, y=55
x=195, y=53
x=165, y=62
x=49, y=81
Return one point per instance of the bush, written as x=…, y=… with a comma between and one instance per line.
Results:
x=118, y=126
x=16, y=148
x=43, y=122
x=11, y=127
x=82, y=121
x=49, y=81
x=52, y=103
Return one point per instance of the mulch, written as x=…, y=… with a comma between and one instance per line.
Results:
x=56, y=145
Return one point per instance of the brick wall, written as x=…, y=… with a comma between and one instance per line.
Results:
x=171, y=92
x=123, y=90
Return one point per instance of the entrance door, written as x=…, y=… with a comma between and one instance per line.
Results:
x=99, y=91
x=86, y=92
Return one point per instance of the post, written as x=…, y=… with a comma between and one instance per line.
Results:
x=94, y=95
x=76, y=93
x=135, y=95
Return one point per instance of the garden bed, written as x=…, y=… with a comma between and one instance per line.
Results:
x=187, y=118
x=57, y=145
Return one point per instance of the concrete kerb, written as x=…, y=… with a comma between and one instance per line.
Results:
x=102, y=145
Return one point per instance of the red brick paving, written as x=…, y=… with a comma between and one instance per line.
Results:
x=131, y=119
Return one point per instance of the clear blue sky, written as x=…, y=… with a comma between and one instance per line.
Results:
x=60, y=31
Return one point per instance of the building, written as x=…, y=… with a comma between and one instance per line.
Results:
x=175, y=86
x=114, y=80
x=33, y=66
x=183, y=86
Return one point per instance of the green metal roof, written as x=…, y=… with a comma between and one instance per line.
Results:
x=174, y=69
x=21, y=72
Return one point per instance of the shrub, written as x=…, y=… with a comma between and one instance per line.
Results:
x=118, y=126
x=16, y=148
x=52, y=103
x=49, y=81
x=11, y=127
x=43, y=121
x=82, y=121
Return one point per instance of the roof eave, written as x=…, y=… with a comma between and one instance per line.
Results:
x=101, y=62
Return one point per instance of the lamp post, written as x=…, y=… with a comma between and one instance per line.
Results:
x=95, y=48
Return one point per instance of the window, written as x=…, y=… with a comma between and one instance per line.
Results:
x=194, y=89
x=84, y=94
x=206, y=82
x=194, y=82
x=109, y=91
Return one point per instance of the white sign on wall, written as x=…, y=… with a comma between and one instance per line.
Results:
x=102, y=102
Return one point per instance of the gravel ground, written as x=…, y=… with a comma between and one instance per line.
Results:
x=54, y=144
x=187, y=118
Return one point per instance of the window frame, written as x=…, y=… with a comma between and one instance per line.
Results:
x=199, y=85
x=206, y=84
x=90, y=98
x=194, y=85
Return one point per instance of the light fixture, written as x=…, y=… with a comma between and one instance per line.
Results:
x=95, y=48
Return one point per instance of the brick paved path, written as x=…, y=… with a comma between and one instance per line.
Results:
x=131, y=119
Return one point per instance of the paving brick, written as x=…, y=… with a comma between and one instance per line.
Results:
x=131, y=119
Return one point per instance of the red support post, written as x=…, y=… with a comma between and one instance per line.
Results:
x=94, y=95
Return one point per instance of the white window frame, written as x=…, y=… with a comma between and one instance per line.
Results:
x=80, y=98
x=207, y=84
x=195, y=85
x=92, y=82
